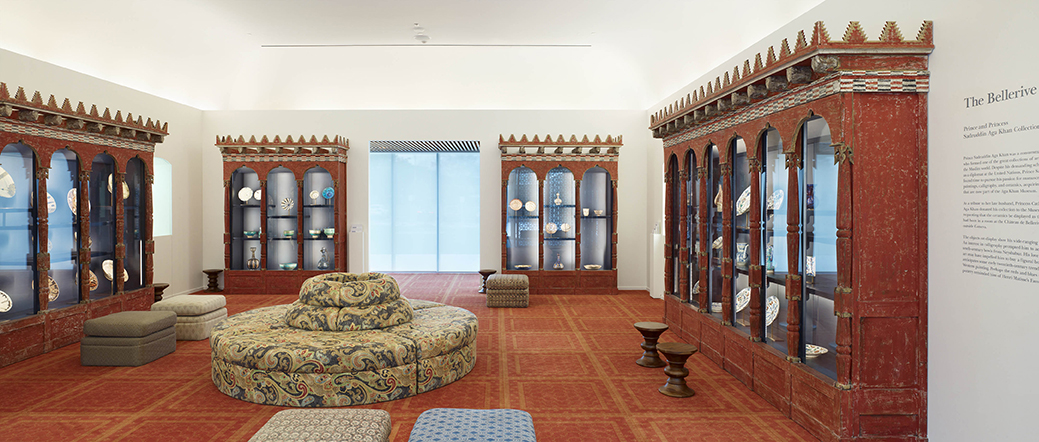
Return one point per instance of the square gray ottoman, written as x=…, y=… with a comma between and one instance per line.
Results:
x=463, y=424
x=337, y=424
x=128, y=338
x=196, y=314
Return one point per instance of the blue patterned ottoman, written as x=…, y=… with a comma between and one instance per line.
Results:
x=463, y=424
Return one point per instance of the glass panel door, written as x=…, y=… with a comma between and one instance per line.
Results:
x=63, y=227
x=246, y=198
x=820, y=249
x=596, y=220
x=560, y=235
x=692, y=199
x=134, y=208
x=281, y=219
x=102, y=227
x=775, y=242
x=522, y=220
x=741, y=235
x=318, y=220
x=714, y=178
x=17, y=232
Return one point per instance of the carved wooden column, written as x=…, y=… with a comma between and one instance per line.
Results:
x=754, y=252
x=120, y=226
x=844, y=297
x=263, y=227
x=149, y=233
x=227, y=223
x=577, y=222
x=299, y=224
x=613, y=226
x=83, y=207
x=669, y=286
x=541, y=219
x=43, y=258
x=793, y=250
x=705, y=265
x=726, y=261
x=683, y=234
x=504, y=224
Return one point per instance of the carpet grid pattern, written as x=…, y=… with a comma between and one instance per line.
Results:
x=567, y=360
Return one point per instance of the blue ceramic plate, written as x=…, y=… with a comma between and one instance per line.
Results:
x=328, y=193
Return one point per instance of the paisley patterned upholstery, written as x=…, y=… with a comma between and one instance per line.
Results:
x=509, y=281
x=349, y=302
x=258, y=357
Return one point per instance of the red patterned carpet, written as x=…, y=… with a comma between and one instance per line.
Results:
x=568, y=360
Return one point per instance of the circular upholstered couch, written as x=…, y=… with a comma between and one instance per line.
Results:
x=349, y=340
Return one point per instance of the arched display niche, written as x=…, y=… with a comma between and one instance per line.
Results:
x=559, y=213
x=834, y=333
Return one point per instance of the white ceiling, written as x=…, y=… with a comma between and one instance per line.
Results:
x=208, y=54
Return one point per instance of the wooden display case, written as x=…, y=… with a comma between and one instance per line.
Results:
x=285, y=211
x=61, y=259
x=801, y=178
x=559, y=213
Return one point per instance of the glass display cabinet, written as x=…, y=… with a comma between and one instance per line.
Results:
x=287, y=226
x=559, y=213
x=822, y=333
x=75, y=207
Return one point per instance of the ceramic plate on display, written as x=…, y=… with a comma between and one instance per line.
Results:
x=812, y=350
x=741, y=253
x=550, y=228
x=742, y=299
x=245, y=194
x=126, y=188
x=287, y=204
x=72, y=198
x=54, y=291
x=717, y=244
x=7, y=190
x=531, y=206
x=743, y=204
x=93, y=281
x=696, y=287
x=716, y=307
x=328, y=193
x=564, y=227
x=51, y=204
x=126, y=276
x=771, y=310
x=314, y=194
x=592, y=266
x=258, y=194
x=776, y=199
x=106, y=268
x=515, y=204
x=5, y=301
x=522, y=266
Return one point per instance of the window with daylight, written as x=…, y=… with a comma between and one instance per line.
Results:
x=424, y=199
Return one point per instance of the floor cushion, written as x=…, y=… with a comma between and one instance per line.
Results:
x=462, y=424
x=312, y=425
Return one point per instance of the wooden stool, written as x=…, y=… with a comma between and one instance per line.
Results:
x=213, y=274
x=159, y=288
x=676, y=354
x=485, y=273
x=651, y=331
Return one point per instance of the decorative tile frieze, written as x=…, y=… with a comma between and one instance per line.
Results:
x=571, y=148
x=7, y=125
x=271, y=150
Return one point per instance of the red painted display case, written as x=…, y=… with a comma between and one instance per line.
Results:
x=59, y=258
x=559, y=213
x=285, y=211
x=796, y=229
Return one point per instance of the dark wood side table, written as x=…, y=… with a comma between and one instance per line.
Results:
x=676, y=354
x=651, y=331
x=159, y=288
x=485, y=273
x=213, y=274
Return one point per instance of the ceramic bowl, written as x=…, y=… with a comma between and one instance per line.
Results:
x=315, y=233
x=250, y=233
x=290, y=232
x=330, y=231
x=598, y=212
x=288, y=266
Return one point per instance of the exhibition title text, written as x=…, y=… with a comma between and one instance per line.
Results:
x=999, y=96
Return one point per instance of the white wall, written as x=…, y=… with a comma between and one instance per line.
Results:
x=484, y=126
x=981, y=365
x=178, y=258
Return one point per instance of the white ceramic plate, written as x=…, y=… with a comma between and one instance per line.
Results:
x=72, y=199
x=515, y=204
x=812, y=350
x=717, y=244
x=287, y=204
x=564, y=227
x=743, y=204
x=592, y=266
x=7, y=190
x=245, y=194
x=258, y=194
x=742, y=299
x=314, y=194
x=550, y=228
x=54, y=291
x=126, y=187
x=51, y=204
x=716, y=307
x=771, y=310
x=776, y=199
x=696, y=287
x=107, y=267
x=5, y=301
x=531, y=206
x=93, y=281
